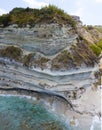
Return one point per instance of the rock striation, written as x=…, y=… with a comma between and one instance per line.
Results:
x=53, y=55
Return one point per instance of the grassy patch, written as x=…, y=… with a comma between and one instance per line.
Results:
x=63, y=60
x=96, y=49
x=12, y=52
x=99, y=44
x=41, y=62
x=99, y=28
x=32, y=60
x=80, y=54
x=27, y=59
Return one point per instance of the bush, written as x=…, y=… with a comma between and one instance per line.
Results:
x=51, y=9
x=17, y=10
x=99, y=44
x=97, y=50
x=5, y=20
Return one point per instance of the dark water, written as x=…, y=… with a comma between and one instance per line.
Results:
x=18, y=113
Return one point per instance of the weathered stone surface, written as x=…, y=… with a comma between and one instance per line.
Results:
x=91, y=35
x=52, y=48
x=47, y=39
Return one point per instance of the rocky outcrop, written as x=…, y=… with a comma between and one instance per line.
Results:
x=48, y=42
x=48, y=39
x=51, y=48
x=71, y=84
x=75, y=57
x=89, y=33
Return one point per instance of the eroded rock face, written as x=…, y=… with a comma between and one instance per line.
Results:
x=71, y=83
x=47, y=39
x=51, y=48
x=89, y=34
x=96, y=35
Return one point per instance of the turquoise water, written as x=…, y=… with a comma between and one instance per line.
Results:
x=18, y=113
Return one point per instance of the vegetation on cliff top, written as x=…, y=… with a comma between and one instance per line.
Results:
x=99, y=44
x=24, y=16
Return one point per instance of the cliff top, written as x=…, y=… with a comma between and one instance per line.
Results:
x=28, y=16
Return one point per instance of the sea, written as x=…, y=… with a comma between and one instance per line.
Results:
x=27, y=113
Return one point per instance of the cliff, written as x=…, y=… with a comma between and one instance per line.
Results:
x=50, y=41
x=48, y=38
x=49, y=55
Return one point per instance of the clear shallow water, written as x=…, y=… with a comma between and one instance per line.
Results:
x=18, y=113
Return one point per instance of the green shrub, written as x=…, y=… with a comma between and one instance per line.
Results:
x=17, y=10
x=51, y=9
x=5, y=20
x=99, y=44
x=97, y=50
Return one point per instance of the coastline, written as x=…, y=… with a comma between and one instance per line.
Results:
x=89, y=117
